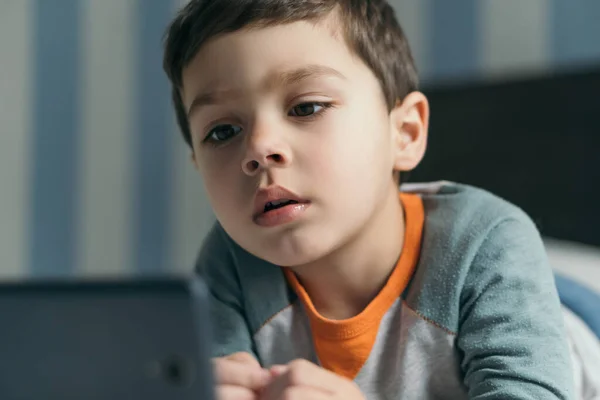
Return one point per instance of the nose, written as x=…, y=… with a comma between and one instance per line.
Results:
x=266, y=149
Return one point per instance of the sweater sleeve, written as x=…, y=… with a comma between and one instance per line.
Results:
x=216, y=265
x=511, y=334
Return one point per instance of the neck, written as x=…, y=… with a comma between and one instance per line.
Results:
x=342, y=284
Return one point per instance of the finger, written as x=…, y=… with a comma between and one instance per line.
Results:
x=278, y=370
x=305, y=373
x=304, y=392
x=244, y=358
x=228, y=392
x=296, y=374
x=228, y=372
x=274, y=390
x=296, y=393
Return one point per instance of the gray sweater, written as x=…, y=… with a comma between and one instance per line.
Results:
x=470, y=311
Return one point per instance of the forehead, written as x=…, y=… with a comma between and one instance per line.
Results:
x=244, y=58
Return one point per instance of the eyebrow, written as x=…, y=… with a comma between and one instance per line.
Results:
x=278, y=79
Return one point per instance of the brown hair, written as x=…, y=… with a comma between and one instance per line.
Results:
x=369, y=26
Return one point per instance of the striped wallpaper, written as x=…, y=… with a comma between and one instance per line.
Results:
x=93, y=176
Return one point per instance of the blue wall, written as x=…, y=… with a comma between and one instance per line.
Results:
x=93, y=176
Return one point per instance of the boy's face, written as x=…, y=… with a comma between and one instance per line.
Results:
x=290, y=107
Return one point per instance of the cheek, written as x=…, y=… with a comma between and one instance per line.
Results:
x=353, y=150
x=221, y=182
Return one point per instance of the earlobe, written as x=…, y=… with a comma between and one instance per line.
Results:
x=410, y=125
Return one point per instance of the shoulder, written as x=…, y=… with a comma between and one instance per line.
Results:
x=460, y=219
x=254, y=286
x=469, y=208
x=469, y=234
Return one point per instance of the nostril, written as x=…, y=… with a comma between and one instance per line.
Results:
x=277, y=158
x=253, y=165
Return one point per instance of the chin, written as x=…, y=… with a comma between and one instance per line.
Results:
x=288, y=260
x=289, y=251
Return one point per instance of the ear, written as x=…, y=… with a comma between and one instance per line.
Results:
x=410, y=125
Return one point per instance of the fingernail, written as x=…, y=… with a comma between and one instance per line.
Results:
x=277, y=370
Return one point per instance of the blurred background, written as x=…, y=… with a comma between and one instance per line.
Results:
x=95, y=180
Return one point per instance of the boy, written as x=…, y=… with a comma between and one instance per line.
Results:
x=326, y=282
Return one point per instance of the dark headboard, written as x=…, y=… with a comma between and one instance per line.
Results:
x=534, y=142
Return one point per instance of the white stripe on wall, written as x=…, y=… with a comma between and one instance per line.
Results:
x=515, y=36
x=412, y=15
x=106, y=177
x=192, y=215
x=15, y=118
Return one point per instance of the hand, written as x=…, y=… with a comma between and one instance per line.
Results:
x=302, y=380
x=239, y=377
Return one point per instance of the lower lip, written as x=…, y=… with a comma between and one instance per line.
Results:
x=280, y=216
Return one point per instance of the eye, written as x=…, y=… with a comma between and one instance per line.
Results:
x=306, y=109
x=222, y=133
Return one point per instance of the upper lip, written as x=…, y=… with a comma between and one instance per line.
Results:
x=273, y=193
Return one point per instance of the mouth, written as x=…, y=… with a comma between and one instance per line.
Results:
x=275, y=206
